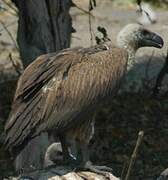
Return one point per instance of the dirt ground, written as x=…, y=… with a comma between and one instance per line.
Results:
x=134, y=114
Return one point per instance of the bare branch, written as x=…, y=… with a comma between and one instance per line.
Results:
x=90, y=30
x=10, y=35
x=90, y=24
x=83, y=10
x=8, y=25
x=124, y=169
x=11, y=7
x=134, y=154
x=16, y=67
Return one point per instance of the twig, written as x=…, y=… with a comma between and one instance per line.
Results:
x=83, y=10
x=8, y=25
x=90, y=23
x=90, y=30
x=10, y=6
x=10, y=35
x=134, y=154
x=14, y=65
x=124, y=169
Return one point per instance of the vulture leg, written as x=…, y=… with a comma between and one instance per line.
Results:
x=68, y=158
x=86, y=164
x=83, y=151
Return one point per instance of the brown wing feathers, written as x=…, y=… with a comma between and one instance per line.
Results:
x=81, y=78
x=28, y=98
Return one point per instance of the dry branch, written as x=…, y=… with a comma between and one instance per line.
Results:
x=8, y=25
x=83, y=10
x=9, y=33
x=16, y=67
x=134, y=154
x=11, y=7
x=90, y=29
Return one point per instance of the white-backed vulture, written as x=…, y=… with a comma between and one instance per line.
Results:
x=60, y=91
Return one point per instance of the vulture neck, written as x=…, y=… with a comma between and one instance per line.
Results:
x=130, y=48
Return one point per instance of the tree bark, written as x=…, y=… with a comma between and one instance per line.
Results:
x=44, y=26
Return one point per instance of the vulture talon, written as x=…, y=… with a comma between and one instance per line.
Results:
x=70, y=160
x=102, y=170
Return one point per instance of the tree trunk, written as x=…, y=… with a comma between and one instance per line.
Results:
x=44, y=26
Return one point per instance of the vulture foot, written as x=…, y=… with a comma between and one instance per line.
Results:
x=66, y=161
x=69, y=161
x=102, y=170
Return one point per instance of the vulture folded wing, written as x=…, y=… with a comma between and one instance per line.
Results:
x=28, y=98
x=67, y=85
x=85, y=84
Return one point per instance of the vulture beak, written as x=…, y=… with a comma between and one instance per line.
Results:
x=154, y=40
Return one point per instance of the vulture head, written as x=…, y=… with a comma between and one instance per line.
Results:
x=135, y=36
